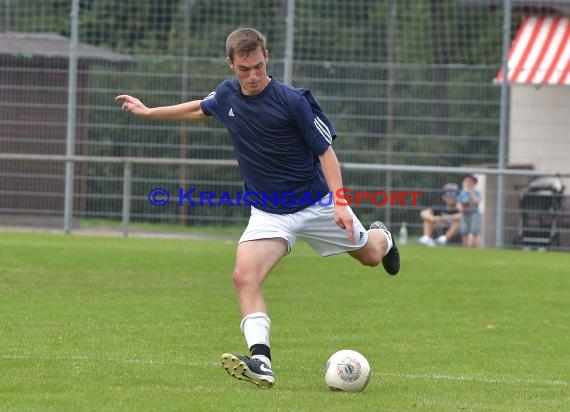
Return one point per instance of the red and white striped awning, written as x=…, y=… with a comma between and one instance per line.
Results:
x=540, y=53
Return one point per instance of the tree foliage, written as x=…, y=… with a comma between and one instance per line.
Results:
x=405, y=81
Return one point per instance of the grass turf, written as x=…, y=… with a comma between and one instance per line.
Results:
x=101, y=323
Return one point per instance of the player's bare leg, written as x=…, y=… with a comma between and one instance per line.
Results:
x=254, y=261
x=380, y=247
x=373, y=251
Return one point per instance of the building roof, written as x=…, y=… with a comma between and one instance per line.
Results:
x=540, y=52
x=51, y=45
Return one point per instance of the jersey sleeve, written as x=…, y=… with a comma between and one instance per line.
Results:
x=209, y=104
x=317, y=130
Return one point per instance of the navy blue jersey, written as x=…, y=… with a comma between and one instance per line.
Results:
x=277, y=137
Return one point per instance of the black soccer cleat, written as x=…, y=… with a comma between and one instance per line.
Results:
x=250, y=370
x=391, y=261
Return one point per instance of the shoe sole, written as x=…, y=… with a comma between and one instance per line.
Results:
x=238, y=369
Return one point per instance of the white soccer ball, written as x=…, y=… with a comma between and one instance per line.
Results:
x=347, y=370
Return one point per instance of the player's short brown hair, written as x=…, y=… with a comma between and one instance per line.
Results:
x=244, y=41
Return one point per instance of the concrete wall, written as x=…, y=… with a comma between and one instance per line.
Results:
x=540, y=128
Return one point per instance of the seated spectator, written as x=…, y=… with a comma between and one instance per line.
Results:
x=441, y=221
x=468, y=203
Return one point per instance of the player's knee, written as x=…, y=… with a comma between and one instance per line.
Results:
x=243, y=278
x=370, y=259
x=239, y=278
x=373, y=262
x=371, y=254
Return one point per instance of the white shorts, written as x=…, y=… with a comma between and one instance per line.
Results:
x=314, y=224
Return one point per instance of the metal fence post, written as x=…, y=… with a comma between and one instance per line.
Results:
x=127, y=172
x=71, y=114
x=503, y=128
x=289, y=43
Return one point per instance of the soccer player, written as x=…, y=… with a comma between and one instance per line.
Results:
x=282, y=142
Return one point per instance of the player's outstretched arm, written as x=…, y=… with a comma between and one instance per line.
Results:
x=333, y=177
x=181, y=112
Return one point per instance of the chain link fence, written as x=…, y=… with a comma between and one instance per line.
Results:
x=411, y=86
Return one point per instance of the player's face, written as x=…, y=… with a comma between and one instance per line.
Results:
x=251, y=71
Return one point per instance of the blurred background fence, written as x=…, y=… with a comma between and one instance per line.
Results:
x=414, y=87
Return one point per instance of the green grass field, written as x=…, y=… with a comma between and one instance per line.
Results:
x=114, y=324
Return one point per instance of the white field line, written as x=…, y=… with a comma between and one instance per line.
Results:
x=477, y=378
x=403, y=376
x=86, y=358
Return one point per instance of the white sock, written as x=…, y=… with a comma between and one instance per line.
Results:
x=256, y=329
x=263, y=359
x=388, y=237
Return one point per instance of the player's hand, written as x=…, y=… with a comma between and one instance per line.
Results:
x=132, y=104
x=344, y=220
